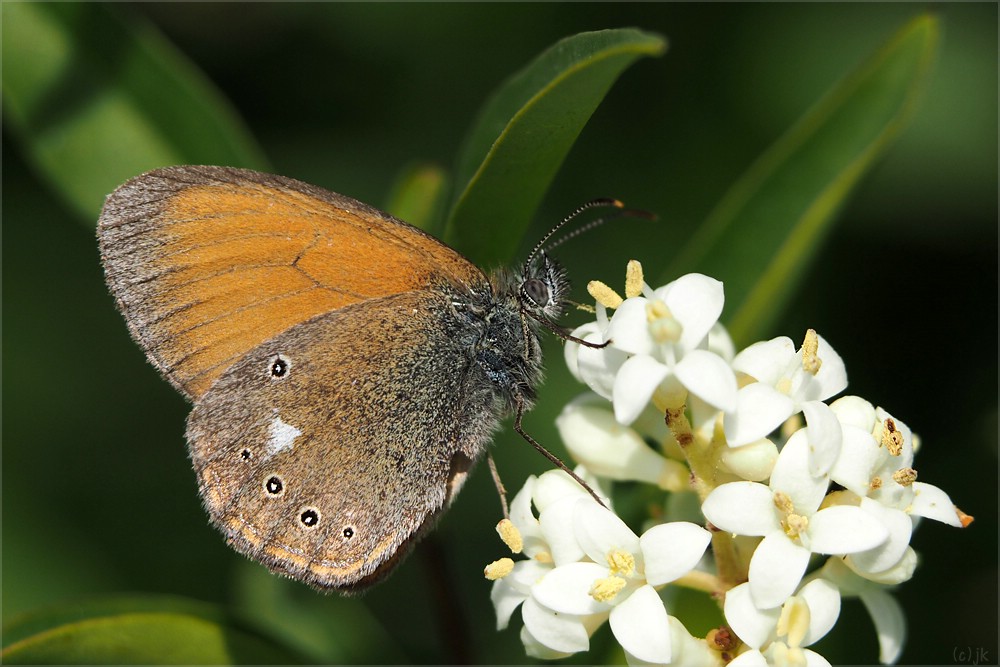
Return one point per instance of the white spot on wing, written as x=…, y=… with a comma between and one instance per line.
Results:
x=282, y=436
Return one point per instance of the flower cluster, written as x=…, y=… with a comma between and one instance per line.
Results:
x=803, y=499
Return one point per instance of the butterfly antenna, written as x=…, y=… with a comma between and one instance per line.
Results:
x=624, y=212
x=593, y=203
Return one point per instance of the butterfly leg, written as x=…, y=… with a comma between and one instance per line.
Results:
x=556, y=461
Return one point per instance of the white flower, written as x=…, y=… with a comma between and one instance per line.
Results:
x=546, y=539
x=658, y=343
x=595, y=438
x=804, y=625
x=876, y=466
x=787, y=514
x=890, y=623
x=617, y=580
x=787, y=381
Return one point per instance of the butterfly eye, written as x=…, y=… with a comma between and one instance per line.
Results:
x=279, y=366
x=536, y=291
x=274, y=486
x=309, y=517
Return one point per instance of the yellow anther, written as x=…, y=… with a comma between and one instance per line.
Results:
x=892, y=439
x=810, y=362
x=905, y=476
x=793, y=623
x=499, y=569
x=633, y=279
x=783, y=502
x=795, y=525
x=621, y=562
x=875, y=484
x=657, y=310
x=605, y=590
x=603, y=294
x=510, y=535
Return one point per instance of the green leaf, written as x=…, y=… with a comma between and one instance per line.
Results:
x=525, y=131
x=765, y=230
x=418, y=195
x=137, y=630
x=332, y=630
x=96, y=100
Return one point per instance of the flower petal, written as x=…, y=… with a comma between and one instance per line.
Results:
x=571, y=350
x=760, y=409
x=890, y=623
x=749, y=659
x=524, y=519
x=560, y=535
x=888, y=553
x=859, y=455
x=508, y=593
x=814, y=659
x=931, y=502
x=825, y=436
x=708, y=376
x=671, y=550
x=558, y=632
x=766, y=361
x=598, y=367
x=639, y=623
x=754, y=626
x=505, y=598
x=832, y=376
x=753, y=462
x=554, y=485
x=776, y=569
x=897, y=574
x=566, y=590
x=823, y=599
x=595, y=438
x=635, y=383
x=844, y=529
x=791, y=475
x=855, y=411
x=629, y=328
x=696, y=302
x=599, y=531
x=742, y=508
x=535, y=649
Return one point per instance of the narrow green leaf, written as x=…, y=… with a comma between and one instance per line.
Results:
x=96, y=100
x=766, y=229
x=137, y=630
x=418, y=195
x=525, y=131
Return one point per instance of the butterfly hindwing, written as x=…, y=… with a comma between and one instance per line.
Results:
x=318, y=489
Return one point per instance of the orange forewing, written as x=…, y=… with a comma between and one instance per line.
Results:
x=209, y=262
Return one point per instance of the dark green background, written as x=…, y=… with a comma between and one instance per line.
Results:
x=97, y=493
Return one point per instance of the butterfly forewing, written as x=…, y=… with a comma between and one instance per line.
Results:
x=207, y=263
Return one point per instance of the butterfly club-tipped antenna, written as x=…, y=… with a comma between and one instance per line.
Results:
x=540, y=247
x=593, y=203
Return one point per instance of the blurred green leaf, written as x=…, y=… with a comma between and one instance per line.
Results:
x=762, y=235
x=96, y=100
x=418, y=195
x=525, y=131
x=327, y=629
x=136, y=630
